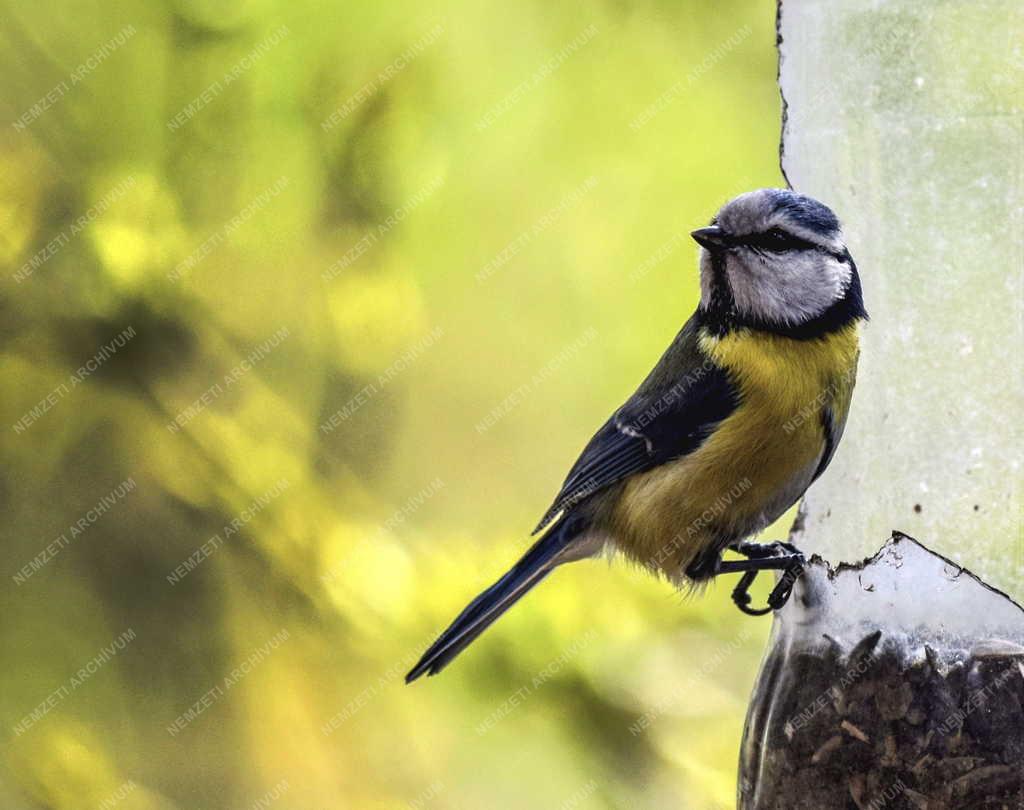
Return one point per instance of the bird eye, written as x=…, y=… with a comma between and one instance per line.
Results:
x=778, y=239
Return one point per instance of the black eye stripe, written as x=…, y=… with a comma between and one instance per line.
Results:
x=776, y=240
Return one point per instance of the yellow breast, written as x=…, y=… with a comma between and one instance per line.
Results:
x=758, y=461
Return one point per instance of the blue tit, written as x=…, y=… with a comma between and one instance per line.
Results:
x=738, y=418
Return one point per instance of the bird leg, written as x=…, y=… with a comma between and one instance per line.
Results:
x=764, y=557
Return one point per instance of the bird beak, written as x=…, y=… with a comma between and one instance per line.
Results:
x=712, y=237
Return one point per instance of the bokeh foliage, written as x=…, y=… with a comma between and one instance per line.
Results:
x=385, y=458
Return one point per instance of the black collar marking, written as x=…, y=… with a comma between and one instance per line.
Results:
x=720, y=315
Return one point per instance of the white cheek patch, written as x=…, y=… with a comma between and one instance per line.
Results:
x=787, y=288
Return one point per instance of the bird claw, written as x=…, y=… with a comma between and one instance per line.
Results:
x=765, y=557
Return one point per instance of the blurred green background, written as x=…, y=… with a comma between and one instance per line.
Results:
x=307, y=310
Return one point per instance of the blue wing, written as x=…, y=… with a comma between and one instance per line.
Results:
x=670, y=414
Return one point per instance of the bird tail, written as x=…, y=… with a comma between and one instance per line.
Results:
x=542, y=558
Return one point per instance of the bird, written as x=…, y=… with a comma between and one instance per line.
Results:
x=739, y=416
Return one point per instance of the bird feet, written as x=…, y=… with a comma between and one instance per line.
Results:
x=777, y=556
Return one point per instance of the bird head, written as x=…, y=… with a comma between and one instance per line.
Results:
x=775, y=259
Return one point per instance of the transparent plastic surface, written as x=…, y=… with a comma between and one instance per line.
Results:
x=894, y=683
x=907, y=117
